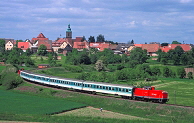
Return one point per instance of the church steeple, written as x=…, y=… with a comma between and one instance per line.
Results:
x=69, y=32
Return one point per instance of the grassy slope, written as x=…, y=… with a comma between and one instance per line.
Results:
x=180, y=90
x=25, y=104
x=153, y=112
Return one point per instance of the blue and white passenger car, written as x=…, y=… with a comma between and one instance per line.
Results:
x=89, y=86
x=108, y=88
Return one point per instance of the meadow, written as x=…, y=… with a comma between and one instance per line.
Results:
x=16, y=103
x=124, y=109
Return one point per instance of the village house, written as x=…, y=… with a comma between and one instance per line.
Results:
x=24, y=45
x=185, y=47
x=81, y=45
x=100, y=45
x=41, y=40
x=123, y=48
x=9, y=44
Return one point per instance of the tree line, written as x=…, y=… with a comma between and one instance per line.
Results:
x=176, y=56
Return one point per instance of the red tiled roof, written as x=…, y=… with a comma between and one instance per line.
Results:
x=78, y=39
x=70, y=41
x=80, y=45
x=138, y=45
x=113, y=46
x=100, y=46
x=165, y=48
x=39, y=37
x=95, y=45
x=23, y=45
x=60, y=40
x=47, y=43
x=151, y=47
x=104, y=45
x=186, y=47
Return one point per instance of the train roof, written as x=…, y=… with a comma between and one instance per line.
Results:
x=108, y=84
x=84, y=81
x=52, y=77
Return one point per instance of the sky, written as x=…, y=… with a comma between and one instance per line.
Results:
x=143, y=21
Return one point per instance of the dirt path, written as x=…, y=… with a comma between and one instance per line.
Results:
x=95, y=112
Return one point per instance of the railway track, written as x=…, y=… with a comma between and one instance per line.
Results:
x=105, y=95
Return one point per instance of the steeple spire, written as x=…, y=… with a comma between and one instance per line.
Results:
x=69, y=28
x=69, y=32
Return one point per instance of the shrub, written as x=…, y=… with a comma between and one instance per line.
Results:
x=181, y=73
x=156, y=71
x=167, y=72
x=10, y=80
x=190, y=75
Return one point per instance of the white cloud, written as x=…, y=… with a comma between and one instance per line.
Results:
x=86, y=1
x=146, y=22
x=185, y=1
x=131, y=24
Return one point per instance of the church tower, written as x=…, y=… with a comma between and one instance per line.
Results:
x=69, y=32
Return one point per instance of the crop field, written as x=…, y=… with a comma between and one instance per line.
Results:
x=15, y=103
x=181, y=91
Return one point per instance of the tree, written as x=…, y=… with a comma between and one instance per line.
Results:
x=2, y=45
x=138, y=56
x=99, y=65
x=18, y=41
x=181, y=73
x=28, y=52
x=164, y=61
x=84, y=58
x=164, y=44
x=100, y=38
x=9, y=78
x=91, y=39
x=176, y=42
x=144, y=68
x=167, y=72
x=132, y=42
x=190, y=75
x=176, y=55
x=51, y=60
x=156, y=71
x=83, y=39
x=185, y=58
x=122, y=74
x=124, y=58
x=42, y=50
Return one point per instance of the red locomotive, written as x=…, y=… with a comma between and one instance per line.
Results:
x=148, y=93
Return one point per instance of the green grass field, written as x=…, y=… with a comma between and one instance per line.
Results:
x=2, y=67
x=180, y=90
x=15, y=103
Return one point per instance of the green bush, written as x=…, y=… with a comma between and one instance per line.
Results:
x=181, y=73
x=190, y=75
x=10, y=80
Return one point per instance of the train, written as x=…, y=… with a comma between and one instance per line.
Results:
x=147, y=93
